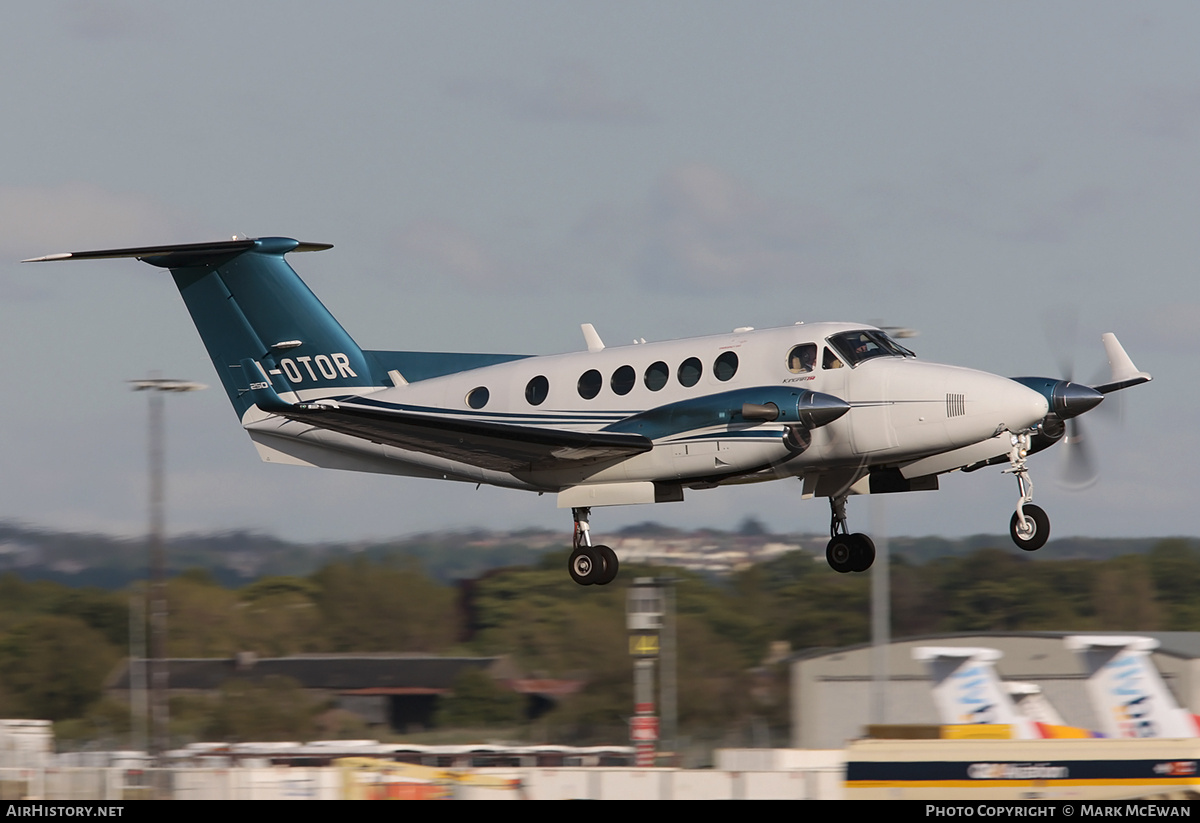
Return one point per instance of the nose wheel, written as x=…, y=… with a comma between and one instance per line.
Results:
x=1033, y=533
x=847, y=552
x=590, y=565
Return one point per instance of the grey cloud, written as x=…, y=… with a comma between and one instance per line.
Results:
x=571, y=92
x=1167, y=113
x=110, y=20
x=708, y=230
x=1057, y=221
x=449, y=250
x=41, y=220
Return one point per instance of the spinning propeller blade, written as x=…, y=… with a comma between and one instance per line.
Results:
x=1078, y=468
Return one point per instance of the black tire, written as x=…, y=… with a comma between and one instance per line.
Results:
x=862, y=552
x=584, y=565
x=1039, y=521
x=839, y=553
x=609, y=563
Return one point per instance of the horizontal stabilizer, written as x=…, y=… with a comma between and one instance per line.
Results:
x=198, y=251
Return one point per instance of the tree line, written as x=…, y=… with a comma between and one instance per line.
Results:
x=59, y=644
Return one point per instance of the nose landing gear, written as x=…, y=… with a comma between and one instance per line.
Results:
x=846, y=552
x=590, y=565
x=1030, y=525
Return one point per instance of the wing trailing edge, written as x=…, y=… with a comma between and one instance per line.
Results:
x=477, y=442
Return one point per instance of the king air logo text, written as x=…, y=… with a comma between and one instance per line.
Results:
x=320, y=367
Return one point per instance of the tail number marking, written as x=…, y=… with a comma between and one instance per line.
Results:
x=329, y=368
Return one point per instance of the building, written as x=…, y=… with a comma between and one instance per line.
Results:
x=831, y=690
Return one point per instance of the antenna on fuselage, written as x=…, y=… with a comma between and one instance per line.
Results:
x=591, y=337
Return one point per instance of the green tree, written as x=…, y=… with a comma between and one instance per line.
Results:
x=1175, y=570
x=367, y=607
x=273, y=708
x=1124, y=596
x=53, y=667
x=478, y=701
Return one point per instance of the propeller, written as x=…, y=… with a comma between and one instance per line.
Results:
x=1077, y=469
x=1069, y=399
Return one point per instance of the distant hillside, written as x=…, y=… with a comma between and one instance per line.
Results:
x=237, y=558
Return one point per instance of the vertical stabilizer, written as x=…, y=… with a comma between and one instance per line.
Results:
x=247, y=302
x=1033, y=703
x=967, y=689
x=1127, y=691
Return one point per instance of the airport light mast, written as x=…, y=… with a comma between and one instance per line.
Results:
x=157, y=592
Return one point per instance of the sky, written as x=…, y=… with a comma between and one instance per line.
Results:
x=1009, y=179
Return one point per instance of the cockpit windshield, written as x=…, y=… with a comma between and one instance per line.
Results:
x=857, y=346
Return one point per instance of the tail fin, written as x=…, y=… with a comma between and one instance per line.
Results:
x=967, y=689
x=248, y=303
x=1127, y=691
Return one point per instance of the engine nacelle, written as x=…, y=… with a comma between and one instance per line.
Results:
x=775, y=404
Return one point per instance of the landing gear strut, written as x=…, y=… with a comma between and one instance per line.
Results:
x=846, y=552
x=590, y=565
x=1030, y=526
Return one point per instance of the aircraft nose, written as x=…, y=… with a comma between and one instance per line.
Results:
x=1003, y=403
x=1022, y=407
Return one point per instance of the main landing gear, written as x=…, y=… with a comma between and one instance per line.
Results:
x=590, y=565
x=1030, y=526
x=846, y=552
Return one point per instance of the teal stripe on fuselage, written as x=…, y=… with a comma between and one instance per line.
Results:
x=555, y=416
x=769, y=436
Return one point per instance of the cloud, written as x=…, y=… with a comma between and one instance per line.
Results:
x=78, y=216
x=110, y=20
x=1057, y=221
x=450, y=251
x=698, y=229
x=570, y=92
x=707, y=229
x=1167, y=113
x=1168, y=327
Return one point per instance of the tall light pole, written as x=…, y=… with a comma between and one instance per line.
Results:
x=157, y=591
x=881, y=590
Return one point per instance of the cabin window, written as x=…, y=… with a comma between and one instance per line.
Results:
x=726, y=366
x=830, y=360
x=477, y=398
x=623, y=380
x=656, y=375
x=589, y=384
x=802, y=359
x=536, y=390
x=690, y=371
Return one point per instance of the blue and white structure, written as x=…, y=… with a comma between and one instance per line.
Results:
x=841, y=406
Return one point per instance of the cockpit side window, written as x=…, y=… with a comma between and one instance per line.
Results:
x=857, y=346
x=802, y=359
x=830, y=360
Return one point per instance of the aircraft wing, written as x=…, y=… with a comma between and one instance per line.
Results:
x=475, y=441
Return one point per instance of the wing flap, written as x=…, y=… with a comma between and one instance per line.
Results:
x=485, y=443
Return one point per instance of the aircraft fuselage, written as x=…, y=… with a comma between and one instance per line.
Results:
x=901, y=408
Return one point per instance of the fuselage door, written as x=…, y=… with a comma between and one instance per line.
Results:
x=871, y=428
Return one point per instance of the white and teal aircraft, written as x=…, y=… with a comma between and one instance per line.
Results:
x=841, y=406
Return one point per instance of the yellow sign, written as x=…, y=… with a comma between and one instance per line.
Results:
x=977, y=731
x=643, y=645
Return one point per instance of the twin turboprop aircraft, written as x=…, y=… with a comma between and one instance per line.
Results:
x=841, y=406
